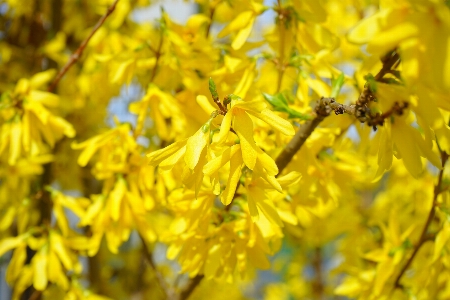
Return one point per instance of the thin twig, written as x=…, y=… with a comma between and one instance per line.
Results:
x=389, y=60
x=211, y=15
x=317, y=285
x=280, y=60
x=169, y=293
x=77, y=54
x=190, y=287
x=359, y=110
x=36, y=295
x=424, y=236
x=157, y=56
x=300, y=137
x=368, y=117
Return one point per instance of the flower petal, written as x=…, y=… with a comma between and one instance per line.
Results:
x=233, y=179
x=275, y=121
x=194, y=147
x=243, y=125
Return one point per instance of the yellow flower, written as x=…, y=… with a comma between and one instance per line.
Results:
x=25, y=122
x=242, y=24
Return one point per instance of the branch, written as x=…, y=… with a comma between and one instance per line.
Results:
x=424, y=236
x=373, y=120
x=322, y=111
x=280, y=60
x=359, y=110
x=192, y=284
x=168, y=292
x=77, y=54
x=157, y=55
x=389, y=60
x=317, y=284
x=211, y=15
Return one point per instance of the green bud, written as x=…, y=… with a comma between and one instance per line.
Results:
x=213, y=89
x=205, y=127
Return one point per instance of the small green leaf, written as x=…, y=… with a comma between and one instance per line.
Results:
x=336, y=85
x=280, y=103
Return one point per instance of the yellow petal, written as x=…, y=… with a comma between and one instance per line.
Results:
x=242, y=35
x=225, y=128
x=156, y=157
x=268, y=163
x=366, y=29
x=15, y=143
x=290, y=178
x=170, y=162
x=41, y=78
x=26, y=141
x=243, y=125
x=48, y=99
x=205, y=104
x=385, y=152
x=233, y=179
x=57, y=246
x=213, y=263
x=270, y=213
x=406, y=145
x=261, y=172
x=241, y=21
x=16, y=263
x=351, y=287
x=55, y=271
x=441, y=240
x=218, y=162
x=245, y=82
x=194, y=147
x=10, y=243
x=115, y=198
x=426, y=150
x=275, y=121
x=390, y=38
x=254, y=105
x=40, y=279
x=254, y=194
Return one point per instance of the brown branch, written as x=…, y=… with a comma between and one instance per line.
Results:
x=373, y=120
x=317, y=284
x=424, y=236
x=77, y=54
x=36, y=295
x=211, y=15
x=359, y=110
x=389, y=60
x=192, y=284
x=168, y=292
x=157, y=56
x=280, y=61
x=302, y=134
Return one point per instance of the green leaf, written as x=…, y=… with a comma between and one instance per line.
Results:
x=279, y=103
x=336, y=85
